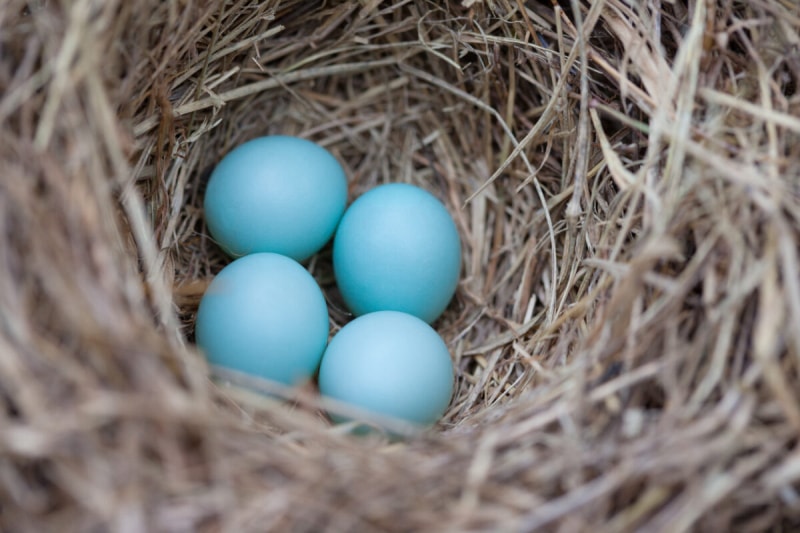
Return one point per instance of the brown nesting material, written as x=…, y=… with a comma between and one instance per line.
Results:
x=626, y=180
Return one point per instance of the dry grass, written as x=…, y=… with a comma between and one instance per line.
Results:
x=626, y=179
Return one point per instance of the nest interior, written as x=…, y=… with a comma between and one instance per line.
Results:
x=625, y=177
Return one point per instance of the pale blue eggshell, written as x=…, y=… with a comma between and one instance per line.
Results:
x=397, y=248
x=276, y=194
x=264, y=315
x=391, y=364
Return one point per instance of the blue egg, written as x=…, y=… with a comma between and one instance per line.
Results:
x=275, y=194
x=390, y=364
x=264, y=315
x=397, y=249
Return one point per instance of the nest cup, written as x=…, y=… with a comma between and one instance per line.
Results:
x=626, y=333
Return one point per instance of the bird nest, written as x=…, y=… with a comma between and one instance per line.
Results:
x=625, y=178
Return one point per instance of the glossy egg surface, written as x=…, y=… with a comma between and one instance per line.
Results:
x=391, y=364
x=264, y=315
x=397, y=249
x=276, y=194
